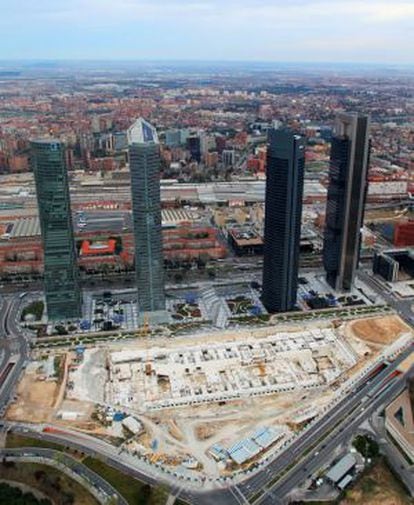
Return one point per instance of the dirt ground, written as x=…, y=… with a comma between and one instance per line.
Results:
x=378, y=487
x=35, y=400
x=379, y=330
x=38, y=400
x=406, y=364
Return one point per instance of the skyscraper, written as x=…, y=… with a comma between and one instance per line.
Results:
x=348, y=174
x=283, y=214
x=63, y=295
x=194, y=146
x=144, y=163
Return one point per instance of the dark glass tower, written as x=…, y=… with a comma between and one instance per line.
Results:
x=194, y=146
x=283, y=214
x=347, y=190
x=144, y=163
x=63, y=294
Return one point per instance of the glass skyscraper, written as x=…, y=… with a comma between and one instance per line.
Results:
x=62, y=291
x=283, y=215
x=144, y=164
x=348, y=183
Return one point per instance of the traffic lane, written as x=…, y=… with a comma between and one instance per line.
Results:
x=219, y=497
x=286, y=458
x=341, y=435
x=312, y=462
x=4, y=325
x=10, y=327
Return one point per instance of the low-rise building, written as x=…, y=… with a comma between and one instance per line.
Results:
x=399, y=420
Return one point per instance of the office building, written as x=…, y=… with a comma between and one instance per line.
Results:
x=173, y=138
x=346, y=199
x=228, y=157
x=62, y=291
x=207, y=143
x=144, y=163
x=283, y=214
x=194, y=146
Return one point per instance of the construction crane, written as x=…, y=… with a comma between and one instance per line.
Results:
x=146, y=325
x=145, y=328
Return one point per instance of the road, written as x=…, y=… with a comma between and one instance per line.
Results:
x=323, y=451
x=340, y=415
x=75, y=466
x=402, y=306
x=14, y=346
x=5, y=352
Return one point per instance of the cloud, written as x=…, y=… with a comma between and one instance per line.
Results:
x=225, y=29
x=107, y=11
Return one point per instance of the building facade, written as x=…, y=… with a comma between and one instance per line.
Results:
x=348, y=182
x=144, y=163
x=283, y=214
x=194, y=146
x=61, y=280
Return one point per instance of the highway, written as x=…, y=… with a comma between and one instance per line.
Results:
x=14, y=346
x=5, y=352
x=323, y=451
x=339, y=416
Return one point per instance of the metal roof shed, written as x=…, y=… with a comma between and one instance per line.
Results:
x=340, y=469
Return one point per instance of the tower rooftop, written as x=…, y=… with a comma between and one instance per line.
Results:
x=142, y=132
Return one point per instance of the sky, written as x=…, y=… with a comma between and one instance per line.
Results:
x=377, y=31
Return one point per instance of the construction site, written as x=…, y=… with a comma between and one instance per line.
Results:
x=211, y=404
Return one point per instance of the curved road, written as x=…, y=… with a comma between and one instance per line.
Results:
x=95, y=480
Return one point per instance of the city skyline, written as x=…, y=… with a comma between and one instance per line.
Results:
x=306, y=30
x=180, y=296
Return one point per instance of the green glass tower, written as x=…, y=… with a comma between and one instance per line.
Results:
x=144, y=160
x=63, y=294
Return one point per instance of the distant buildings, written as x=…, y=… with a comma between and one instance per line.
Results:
x=346, y=199
x=194, y=146
x=144, y=162
x=283, y=212
x=399, y=418
x=404, y=233
x=63, y=295
x=394, y=265
x=173, y=138
x=228, y=157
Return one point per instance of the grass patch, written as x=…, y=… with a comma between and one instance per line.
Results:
x=377, y=485
x=15, y=441
x=134, y=491
x=10, y=494
x=35, y=308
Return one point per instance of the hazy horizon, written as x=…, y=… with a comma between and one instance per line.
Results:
x=298, y=31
